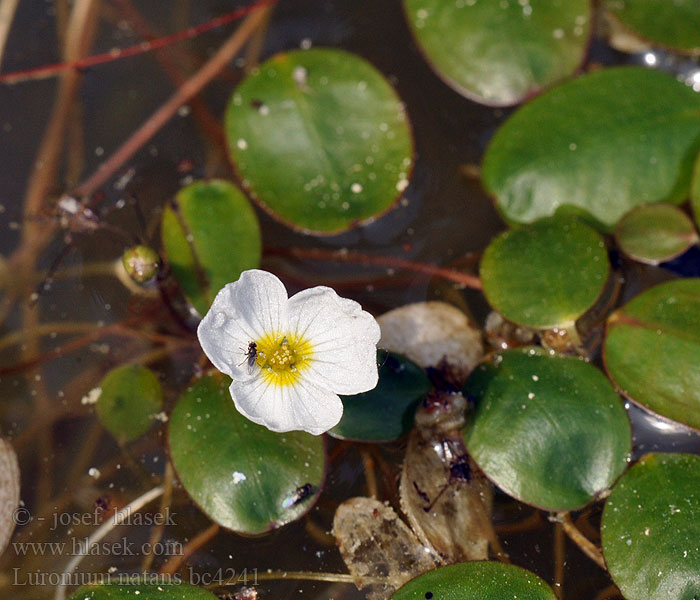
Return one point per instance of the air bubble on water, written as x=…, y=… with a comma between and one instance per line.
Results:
x=356, y=188
x=242, y=144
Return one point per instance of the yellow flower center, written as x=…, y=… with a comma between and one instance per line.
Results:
x=282, y=357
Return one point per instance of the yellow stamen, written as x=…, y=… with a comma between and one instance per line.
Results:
x=282, y=357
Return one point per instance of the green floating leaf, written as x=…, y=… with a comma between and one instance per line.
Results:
x=499, y=53
x=211, y=235
x=651, y=529
x=477, y=580
x=695, y=192
x=655, y=233
x=320, y=139
x=142, y=591
x=547, y=274
x=601, y=144
x=243, y=476
x=673, y=24
x=130, y=397
x=652, y=347
x=548, y=430
x=386, y=412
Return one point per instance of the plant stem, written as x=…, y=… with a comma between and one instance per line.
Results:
x=586, y=546
x=559, y=560
x=303, y=575
x=393, y=262
x=158, y=119
x=7, y=14
x=157, y=533
x=174, y=562
x=101, y=532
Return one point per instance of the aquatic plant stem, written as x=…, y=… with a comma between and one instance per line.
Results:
x=7, y=15
x=80, y=33
x=202, y=538
x=586, y=546
x=393, y=262
x=134, y=506
x=370, y=475
x=302, y=575
x=559, y=560
x=158, y=119
x=159, y=529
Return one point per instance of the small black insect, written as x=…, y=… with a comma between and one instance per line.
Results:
x=300, y=494
x=251, y=356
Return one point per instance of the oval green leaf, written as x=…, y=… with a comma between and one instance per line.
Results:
x=695, y=192
x=477, y=580
x=129, y=399
x=671, y=24
x=320, y=140
x=243, y=476
x=602, y=144
x=386, y=412
x=142, y=591
x=546, y=274
x=652, y=347
x=651, y=529
x=548, y=430
x=210, y=235
x=655, y=233
x=499, y=53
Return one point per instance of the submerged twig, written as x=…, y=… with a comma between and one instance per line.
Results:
x=559, y=560
x=174, y=562
x=159, y=118
x=393, y=262
x=101, y=532
x=586, y=546
x=159, y=529
x=7, y=15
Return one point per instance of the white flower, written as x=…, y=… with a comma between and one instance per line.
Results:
x=289, y=358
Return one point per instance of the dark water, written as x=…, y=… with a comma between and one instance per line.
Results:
x=444, y=217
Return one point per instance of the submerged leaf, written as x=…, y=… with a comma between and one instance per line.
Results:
x=376, y=544
x=320, y=139
x=130, y=397
x=432, y=334
x=446, y=499
x=9, y=492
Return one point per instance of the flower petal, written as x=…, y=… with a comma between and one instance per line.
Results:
x=344, y=338
x=303, y=406
x=243, y=311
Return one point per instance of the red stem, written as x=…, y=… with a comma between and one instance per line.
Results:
x=117, y=53
x=465, y=279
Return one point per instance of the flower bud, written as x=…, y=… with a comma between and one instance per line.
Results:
x=141, y=263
